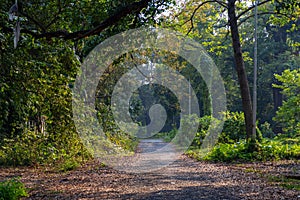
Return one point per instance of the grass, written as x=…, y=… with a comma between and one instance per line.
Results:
x=12, y=189
x=68, y=165
x=165, y=136
x=252, y=170
x=289, y=183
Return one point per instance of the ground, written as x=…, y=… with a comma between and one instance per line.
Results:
x=183, y=179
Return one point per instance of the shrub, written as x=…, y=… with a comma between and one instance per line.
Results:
x=12, y=189
x=166, y=136
x=68, y=165
x=266, y=130
x=204, y=123
x=32, y=148
x=288, y=114
x=266, y=150
x=233, y=129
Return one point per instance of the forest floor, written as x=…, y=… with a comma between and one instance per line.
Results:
x=183, y=179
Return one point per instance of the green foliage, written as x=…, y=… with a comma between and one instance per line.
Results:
x=12, y=189
x=204, y=123
x=266, y=130
x=166, y=136
x=233, y=129
x=36, y=77
x=278, y=37
x=289, y=183
x=288, y=114
x=267, y=150
x=123, y=140
x=113, y=133
x=68, y=165
x=35, y=82
x=232, y=145
x=31, y=148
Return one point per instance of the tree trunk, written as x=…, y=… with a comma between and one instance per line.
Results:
x=240, y=68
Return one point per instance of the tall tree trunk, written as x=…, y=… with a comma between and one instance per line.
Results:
x=240, y=67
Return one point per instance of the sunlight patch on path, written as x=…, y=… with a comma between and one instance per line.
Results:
x=151, y=155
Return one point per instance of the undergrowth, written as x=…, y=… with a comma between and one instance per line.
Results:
x=289, y=183
x=268, y=149
x=12, y=189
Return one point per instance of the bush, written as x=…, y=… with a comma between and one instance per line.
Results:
x=233, y=129
x=266, y=130
x=166, y=136
x=68, y=165
x=204, y=123
x=266, y=150
x=181, y=139
x=12, y=189
x=288, y=115
x=32, y=148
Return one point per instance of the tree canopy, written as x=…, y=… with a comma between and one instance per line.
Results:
x=38, y=71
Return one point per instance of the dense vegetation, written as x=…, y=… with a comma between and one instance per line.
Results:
x=44, y=43
x=37, y=76
x=12, y=189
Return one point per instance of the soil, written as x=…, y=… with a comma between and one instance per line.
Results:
x=183, y=179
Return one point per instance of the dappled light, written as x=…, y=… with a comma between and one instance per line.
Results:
x=149, y=99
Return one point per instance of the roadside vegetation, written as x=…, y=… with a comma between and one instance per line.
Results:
x=43, y=45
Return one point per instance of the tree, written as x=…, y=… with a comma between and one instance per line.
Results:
x=238, y=12
x=240, y=68
x=36, y=77
x=70, y=19
x=289, y=113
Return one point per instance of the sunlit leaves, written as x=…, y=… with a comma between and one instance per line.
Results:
x=289, y=114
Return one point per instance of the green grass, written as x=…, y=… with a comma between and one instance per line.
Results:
x=289, y=183
x=166, y=136
x=12, y=189
x=68, y=165
x=253, y=170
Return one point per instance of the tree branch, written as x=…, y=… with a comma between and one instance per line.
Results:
x=198, y=7
x=132, y=8
x=262, y=13
x=56, y=16
x=221, y=3
x=39, y=25
x=252, y=7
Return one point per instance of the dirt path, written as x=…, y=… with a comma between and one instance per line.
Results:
x=151, y=155
x=183, y=179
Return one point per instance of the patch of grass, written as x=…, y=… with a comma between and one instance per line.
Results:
x=196, y=153
x=167, y=136
x=12, y=189
x=68, y=165
x=289, y=183
x=291, y=186
x=102, y=165
x=252, y=170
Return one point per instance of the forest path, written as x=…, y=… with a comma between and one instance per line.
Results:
x=183, y=179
